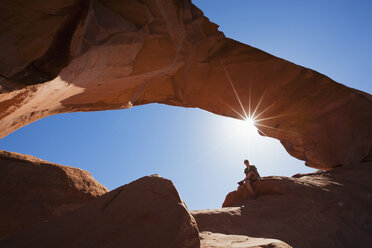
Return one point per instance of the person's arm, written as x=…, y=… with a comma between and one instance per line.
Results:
x=259, y=177
x=258, y=174
x=246, y=177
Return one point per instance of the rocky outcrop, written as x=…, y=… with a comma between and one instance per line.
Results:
x=324, y=209
x=273, y=185
x=33, y=190
x=145, y=213
x=75, y=55
x=219, y=240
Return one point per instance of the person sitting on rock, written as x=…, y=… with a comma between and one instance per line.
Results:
x=251, y=176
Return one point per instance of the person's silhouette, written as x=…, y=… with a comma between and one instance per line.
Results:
x=251, y=176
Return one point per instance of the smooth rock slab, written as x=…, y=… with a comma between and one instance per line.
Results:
x=218, y=240
x=145, y=213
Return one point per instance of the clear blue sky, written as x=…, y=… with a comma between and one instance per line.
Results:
x=200, y=152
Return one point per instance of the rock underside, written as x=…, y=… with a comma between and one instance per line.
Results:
x=73, y=55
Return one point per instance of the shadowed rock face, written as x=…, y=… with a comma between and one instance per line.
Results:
x=145, y=213
x=324, y=209
x=66, y=56
x=33, y=190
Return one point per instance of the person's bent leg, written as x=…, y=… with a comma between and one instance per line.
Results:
x=251, y=178
x=250, y=189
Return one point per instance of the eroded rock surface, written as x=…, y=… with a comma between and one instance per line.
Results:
x=145, y=213
x=219, y=240
x=65, y=56
x=33, y=190
x=325, y=209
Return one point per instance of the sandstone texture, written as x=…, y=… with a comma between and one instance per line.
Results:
x=33, y=190
x=145, y=213
x=324, y=209
x=218, y=240
x=62, y=56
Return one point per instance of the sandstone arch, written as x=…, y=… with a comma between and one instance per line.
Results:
x=66, y=56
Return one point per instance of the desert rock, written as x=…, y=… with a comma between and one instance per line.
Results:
x=219, y=240
x=67, y=56
x=145, y=213
x=324, y=209
x=33, y=190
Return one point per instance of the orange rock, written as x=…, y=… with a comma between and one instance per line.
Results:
x=33, y=190
x=97, y=55
x=145, y=213
x=324, y=209
x=237, y=197
x=219, y=240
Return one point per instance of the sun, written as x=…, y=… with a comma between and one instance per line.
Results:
x=243, y=127
x=249, y=125
x=250, y=122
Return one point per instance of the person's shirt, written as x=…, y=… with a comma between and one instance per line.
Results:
x=251, y=169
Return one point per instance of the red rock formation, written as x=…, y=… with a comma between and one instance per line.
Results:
x=274, y=185
x=325, y=209
x=33, y=190
x=65, y=56
x=218, y=240
x=145, y=213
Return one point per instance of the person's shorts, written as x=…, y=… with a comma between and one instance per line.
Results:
x=253, y=179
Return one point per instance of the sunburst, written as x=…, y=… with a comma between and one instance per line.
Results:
x=253, y=118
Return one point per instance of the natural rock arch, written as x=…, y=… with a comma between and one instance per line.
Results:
x=68, y=56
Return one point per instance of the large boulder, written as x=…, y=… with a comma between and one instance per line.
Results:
x=272, y=185
x=60, y=56
x=145, y=213
x=33, y=190
x=324, y=209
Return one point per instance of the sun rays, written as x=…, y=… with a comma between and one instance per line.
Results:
x=253, y=118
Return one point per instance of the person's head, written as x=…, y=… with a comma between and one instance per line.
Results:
x=246, y=162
